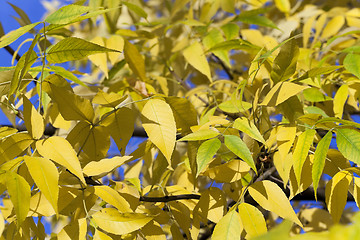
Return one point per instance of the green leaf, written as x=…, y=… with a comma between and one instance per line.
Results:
x=237, y=146
x=284, y=65
x=301, y=151
x=352, y=64
x=247, y=126
x=135, y=60
x=136, y=9
x=234, y=106
x=19, y=191
x=253, y=17
x=46, y=176
x=73, y=48
x=229, y=227
x=66, y=14
x=202, y=134
x=348, y=142
x=112, y=221
x=205, y=153
x=13, y=35
x=319, y=159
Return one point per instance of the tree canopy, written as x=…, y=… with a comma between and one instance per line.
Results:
x=243, y=114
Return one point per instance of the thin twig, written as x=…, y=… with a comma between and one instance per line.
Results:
x=170, y=198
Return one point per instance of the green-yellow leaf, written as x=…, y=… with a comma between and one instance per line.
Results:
x=254, y=17
x=104, y=166
x=336, y=193
x=112, y=221
x=159, y=123
x=13, y=35
x=352, y=64
x=60, y=151
x=339, y=100
x=237, y=146
x=135, y=8
x=202, y=134
x=247, y=126
x=234, y=106
x=205, y=153
x=281, y=92
x=108, y=99
x=301, y=151
x=283, y=5
x=348, y=142
x=34, y=122
x=229, y=227
x=19, y=191
x=252, y=219
x=135, y=60
x=319, y=159
x=112, y=197
x=270, y=197
x=195, y=56
x=66, y=14
x=73, y=48
x=14, y=145
x=46, y=177
x=280, y=231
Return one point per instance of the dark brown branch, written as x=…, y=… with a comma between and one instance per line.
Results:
x=12, y=52
x=170, y=198
x=225, y=68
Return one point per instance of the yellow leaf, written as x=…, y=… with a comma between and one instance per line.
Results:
x=100, y=59
x=59, y=150
x=112, y=221
x=281, y=92
x=104, y=166
x=270, y=197
x=40, y=206
x=135, y=60
x=108, y=99
x=252, y=219
x=283, y=5
x=211, y=205
x=13, y=145
x=229, y=227
x=339, y=100
x=159, y=123
x=202, y=134
x=195, y=56
x=2, y=224
x=247, y=126
x=19, y=191
x=115, y=42
x=76, y=230
x=228, y=172
x=46, y=176
x=101, y=236
x=336, y=192
x=34, y=122
x=112, y=197
x=333, y=26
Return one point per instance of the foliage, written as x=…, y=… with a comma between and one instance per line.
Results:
x=239, y=102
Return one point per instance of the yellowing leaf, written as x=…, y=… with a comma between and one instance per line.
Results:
x=281, y=92
x=14, y=145
x=348, y=142
x=104, y=166
x=205, y=153
x=112, y=221
x=108, y=99
x=336, y=192
x=270, y=197
x=19, y=191
x=252, y=219
x=159, y=123
x=115, y=42
x=73, y=48
x=72, y=106
x=66, y=14
x=34, y=122
x=301, y=151
x=235, y=106
x=13, y=35
x=202, y=134
x=229, y=227
x=135, y=8
x=333, y=26
x=283, y=5
x=100, y=59
x=211, y=205
x=112, y=197
x=247, y=126
x=2, y=224
x=195, y=56
x=339, y=100
x=76, y=230
x=135, y=60
x=46, y=176
x=231, y=171
x=101, y=236
x=59, y=150
x=237, y=146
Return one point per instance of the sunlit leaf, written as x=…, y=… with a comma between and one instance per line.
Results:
x=254, y=17
x=237, y=146
x=270, y=197
x=333, y=26
x=231, y=171
x=135, y=8
x=135, y=60
x=66, y=14
x=34, y=122
x=348, y=142
x=252, y=219
x=229, y=227
x=46, y=177
x=339, y=100
x=281, y=92
x=112, y=221
x=247, y=126
x=59, y=150
x=108, y=99
x=352, y=64
x=13, y=145
x=283, y=5
x=202, y=134
x=205, y=153
x=195, y=56
x=13, y=35
x=104, y=166
x=159, y=123
x=112, y=197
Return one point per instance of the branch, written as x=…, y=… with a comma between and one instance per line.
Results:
x=169, y=198
x=226, y=69
x=12, y=52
